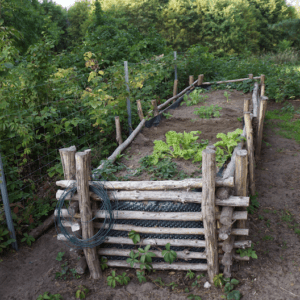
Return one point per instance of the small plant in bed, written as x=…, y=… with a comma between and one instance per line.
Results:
x=194, y=98
x=207, y=112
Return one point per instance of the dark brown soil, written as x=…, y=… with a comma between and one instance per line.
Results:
x=184, y=120
x=273, y=276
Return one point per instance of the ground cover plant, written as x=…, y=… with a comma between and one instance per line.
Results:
x=212, y=111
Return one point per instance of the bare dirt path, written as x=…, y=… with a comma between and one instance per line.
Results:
x=274, y=275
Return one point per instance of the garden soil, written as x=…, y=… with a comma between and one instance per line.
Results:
x=28, y=273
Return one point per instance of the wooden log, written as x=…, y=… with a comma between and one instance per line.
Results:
x=175, y=87
x=81, y=266
x=200, y=79
x=225, y=232
x=228, y=256
x=191, y=80
x=249, y=132
x=82, y=170
x=153, y=185
x=113, y=157
x=67, y=156
x=154, y=105
x=262, y=112
x=262, y=79
x=161, y=266
x=229, y=171
x=118, y=131
x=246, y=105
x=222, y=193
x=38, y=231
x=228, y=245
x=228, y=81
x=208, y=210
x=140, y=110
x=250, y=76
x=255, y=100
x=262, y=90
x=226, y=215
x=241, y=170
x=180, y=196
x=238, y=257
x=186, y=254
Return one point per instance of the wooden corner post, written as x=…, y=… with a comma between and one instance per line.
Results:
x=118, y=131
x=140, y=110
x=208, y=211
x=262, y=112
x=83, y=160
x=67, y=156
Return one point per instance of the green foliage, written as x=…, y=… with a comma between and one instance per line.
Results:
x=146, y=258
x=247, y=252
x=81, y=292
x=140, y=276
x=173, y=285
x=103, y=263
x=194, y=297
x=28, y=239
x=133, y=258
x=124, y=279
x=254, y=204
x=159, y=281
x=66, y=272
x=49, y=296
x=169, y=255
x=194, y=97
x=226, y=94
x=207, y=112
x=4, y=238
x=114, y=279
x=229, y=285
x=60, y=256
x=219, y=280
x=134, y=236
x=190, y=274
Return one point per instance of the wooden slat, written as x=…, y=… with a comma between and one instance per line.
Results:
x=161, y=266
x=145, y=215
x=190, y=183
x=180, y=196
x=126, y=252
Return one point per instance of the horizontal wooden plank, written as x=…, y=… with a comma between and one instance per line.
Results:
x=126, y=252
x=152, y=185
x=145, y=215
x=180, y=196
x=161, y=266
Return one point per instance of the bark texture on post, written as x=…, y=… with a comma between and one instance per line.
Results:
x=249, y=136
x=140, y=109
x=200, y=79
x=262, y=89
x=208, y=211
x=250, y=76
x=175, y=89
x=67, y=156
x=246, y=105
x=262, y=112
x=191, y=81
x=262, y=79
x=154, y=105
x=82, y=174
x=241, y=171
x=118, y=131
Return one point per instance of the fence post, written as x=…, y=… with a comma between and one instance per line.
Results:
x=128, y=99
x=262, y=112
x=208, y=211
x=118, y=130
x=140, y=110
x=7, y=211
x=155, y=109
x=82, y=174
x=67, y=156
x=200, y=79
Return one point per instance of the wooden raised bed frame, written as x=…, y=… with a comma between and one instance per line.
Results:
x=218, y=207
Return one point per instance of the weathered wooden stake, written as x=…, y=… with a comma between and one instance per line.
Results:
x=191, y=81
x=200, y=79
x=262, y=79
x=262, y=112
x=154, y=105
x=262, y=90
x=246, y=105
x=140, y=109
x=82, y=170
x=118, y=131
x=250, y=76
x=250, y=148
x=208, y=210
x=67, y=156
x=175, y=88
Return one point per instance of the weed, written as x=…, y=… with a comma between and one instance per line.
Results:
x=194, y=98
x=159, y=281
x=81, y=292
x=173, y=285
x=267, y=144
x=167, y=115
x=190, y=274
x=134, y=236
x=260, y=217
x=207, y=112
x=266, y=252
x=239, y=119
x=226, y=94
x=146, y=258
x=287, y=217
x=268, y=223
x=297, y=231
x=268, y=238
x=219, y=280
x=194, y=297
x=121, y=279
x=168, y=254
x=103, y=263
x=186, y=290
x=247, y=252
x=47, y=296
x=140, y=276
x=59, y=256
x=132, y=258
x=254, y=204
x=4, y=236
x=28, y=238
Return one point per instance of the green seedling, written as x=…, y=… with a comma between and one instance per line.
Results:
x=114, y=279
x=47, y=296
x=81, y=292
x=28, y=238
x=186, y=290
x=133, y=258
x=194, y=98
x=159, y=281
x=268, y=238
x=239, y=119
x=3, y=234
x=268, y=223
x=167, y=115
x=226, y=94
x=59, y=256
x=168, y=254
x=173, y=285
x=123, y=279
x=103, y=263
x=140, y=276
x=194, y=297
x=284, y=245
x=146, y=258
x=260, y=217
x=190, y=274
x=134, y=236
x=254, y=204
x=247, y=252
x=219, y=280
x=207, y=112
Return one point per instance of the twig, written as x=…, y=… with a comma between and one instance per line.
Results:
x=289, y=292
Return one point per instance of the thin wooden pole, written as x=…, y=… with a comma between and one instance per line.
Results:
x=67, y=156
x=191, y=81
x=250, y=76
x=262, y=90
x=250, y=148
x=262, y=112
x=154, y=105
x=82, y=170
x=200, y=79
x=246, y=105
x=208, y=210
x=128, y=99
x=262, y=79
x=140, y=109
x=118, y=131
x=175, y=88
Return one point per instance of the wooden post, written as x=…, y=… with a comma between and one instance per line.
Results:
x=208, y=211
x=154, y=105
x=262, y=90
x=200, y=79
x=67, y=156
x=262, y=79
x=82, y=174
x=262, y=112
x=118, y=131
x=250, y=76
x=249, y=136
x=140, y=109
x=175, y=89
x=191, y=81
x=246, y=105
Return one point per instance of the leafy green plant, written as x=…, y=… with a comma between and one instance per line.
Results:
x=194, y=97
x=103, y=263
x=226, y=94
x=168, y=254
x=60, y=256
x=194, y=297
x=124, y=279
x=4, y=236
x=133, y=258
x=49, y=296
x=247, y=252
x=159, y=281
x=134, y=236
x=228, y=289
x=167, y=115
x=254, y=204
x=146, y=258
x=81, y=292
x=173, y=285
x=190, y=274
x=28, y=238
x=268, y=238
x=208, y=112
x=140, y=276
x=219, y=280
x=112, y=279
